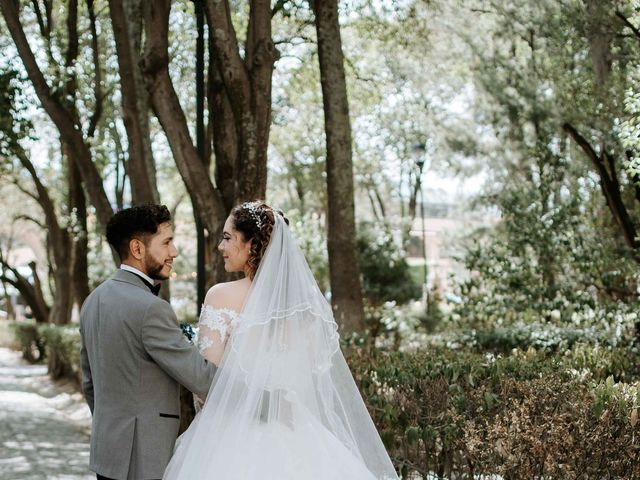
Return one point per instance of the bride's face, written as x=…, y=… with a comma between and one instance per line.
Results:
x=234, y=248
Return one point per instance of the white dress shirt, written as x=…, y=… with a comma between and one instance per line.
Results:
x=131, y=269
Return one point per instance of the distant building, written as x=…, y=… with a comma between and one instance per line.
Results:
x=446, y=225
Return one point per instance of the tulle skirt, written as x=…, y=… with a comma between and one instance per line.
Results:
x=271, y=451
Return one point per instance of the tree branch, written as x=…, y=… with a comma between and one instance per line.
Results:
x=290, y=40
x=72, y=54
x=278, y=6
x=232, y=68
x=32, y=294
x=70, y=132
x=610, y=187
x=135, y=102
x=586, y=147
x=45, y=29
x=97, y=78
x=166, y=105
x=29, y=218
x=626, y=21
x=25, y=191
x=43, y=195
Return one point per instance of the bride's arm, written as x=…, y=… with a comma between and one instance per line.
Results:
x=214, y=327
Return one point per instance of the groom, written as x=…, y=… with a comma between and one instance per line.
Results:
x=133, y=353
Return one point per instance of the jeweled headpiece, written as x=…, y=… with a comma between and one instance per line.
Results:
x=254, y=211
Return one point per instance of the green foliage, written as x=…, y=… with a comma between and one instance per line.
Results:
x=546, y=257
x=14, y=124
x=458, y=413
x=528, y=415
x=59, y=345
x=63, y=352
x=543, y=336
x=31, y=343
x=386, y=276
x=546, y=262
x=309, y=231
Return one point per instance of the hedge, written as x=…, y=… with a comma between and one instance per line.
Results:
x=528, y=415
x=58, y=345
x=459, y=414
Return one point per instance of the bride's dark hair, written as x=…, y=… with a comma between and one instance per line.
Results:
x=255, y=221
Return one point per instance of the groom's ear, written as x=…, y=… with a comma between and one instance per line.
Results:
x=136, y=248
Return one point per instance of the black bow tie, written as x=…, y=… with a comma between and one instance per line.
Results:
x=155, y=289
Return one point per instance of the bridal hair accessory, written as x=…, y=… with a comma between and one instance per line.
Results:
x=254, y=210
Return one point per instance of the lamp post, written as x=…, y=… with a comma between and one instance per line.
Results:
x=419, y=151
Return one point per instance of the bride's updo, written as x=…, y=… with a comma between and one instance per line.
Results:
x=255, y=220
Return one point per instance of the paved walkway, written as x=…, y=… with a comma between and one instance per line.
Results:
x=44, y=428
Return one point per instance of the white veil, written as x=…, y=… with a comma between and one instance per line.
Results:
x=282, y=377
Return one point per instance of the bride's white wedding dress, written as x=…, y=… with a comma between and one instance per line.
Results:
x=283, y=404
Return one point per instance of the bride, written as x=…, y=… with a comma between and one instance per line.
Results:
x=283, y=404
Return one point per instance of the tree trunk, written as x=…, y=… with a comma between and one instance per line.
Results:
x=600, y=36
x=224, y=135
x=63, y=298
x=8, y=305
x=34, y=295
x=60, y=244
x=346, y=290
x=31, y=294
x=239, y=96
x=126, y=18
x=80, y=239
x=610, y=186
x=205, y=198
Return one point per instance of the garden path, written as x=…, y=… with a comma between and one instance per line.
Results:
x=44, y=427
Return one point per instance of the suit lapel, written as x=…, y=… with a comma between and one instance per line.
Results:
x=130, y=278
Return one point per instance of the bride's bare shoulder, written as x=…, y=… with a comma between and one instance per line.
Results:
x=226, y=295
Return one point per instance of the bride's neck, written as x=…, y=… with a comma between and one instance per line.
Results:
x=246, y=273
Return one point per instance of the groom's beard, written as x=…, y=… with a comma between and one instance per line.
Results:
x=154, y=268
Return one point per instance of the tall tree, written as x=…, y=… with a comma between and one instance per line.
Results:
x=346, y=289
x=126, y=19
x=13, y=129
x=64, y=118
x=239, y=108
x=76, y=231
x=60, y=244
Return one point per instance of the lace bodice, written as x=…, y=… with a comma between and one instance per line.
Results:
x=215, y=325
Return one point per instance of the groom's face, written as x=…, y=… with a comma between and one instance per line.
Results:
x=159, y=252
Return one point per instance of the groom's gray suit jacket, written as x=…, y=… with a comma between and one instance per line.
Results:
x=134, y=357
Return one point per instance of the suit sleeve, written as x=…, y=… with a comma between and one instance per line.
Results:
x=164, y=342
x=87, y=379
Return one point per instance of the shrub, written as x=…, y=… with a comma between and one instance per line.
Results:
x=547, y=336
x=528, y=415
x=63, y=352
x=30, y=342
x=310, y=233
x=60, y=345
x=386, y=275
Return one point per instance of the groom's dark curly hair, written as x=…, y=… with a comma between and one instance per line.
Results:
x=139, y=222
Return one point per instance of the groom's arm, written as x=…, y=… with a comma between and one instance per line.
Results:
x=164, y=342
x=87, y=379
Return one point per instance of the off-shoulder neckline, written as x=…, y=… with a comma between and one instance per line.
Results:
x=229, y=311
